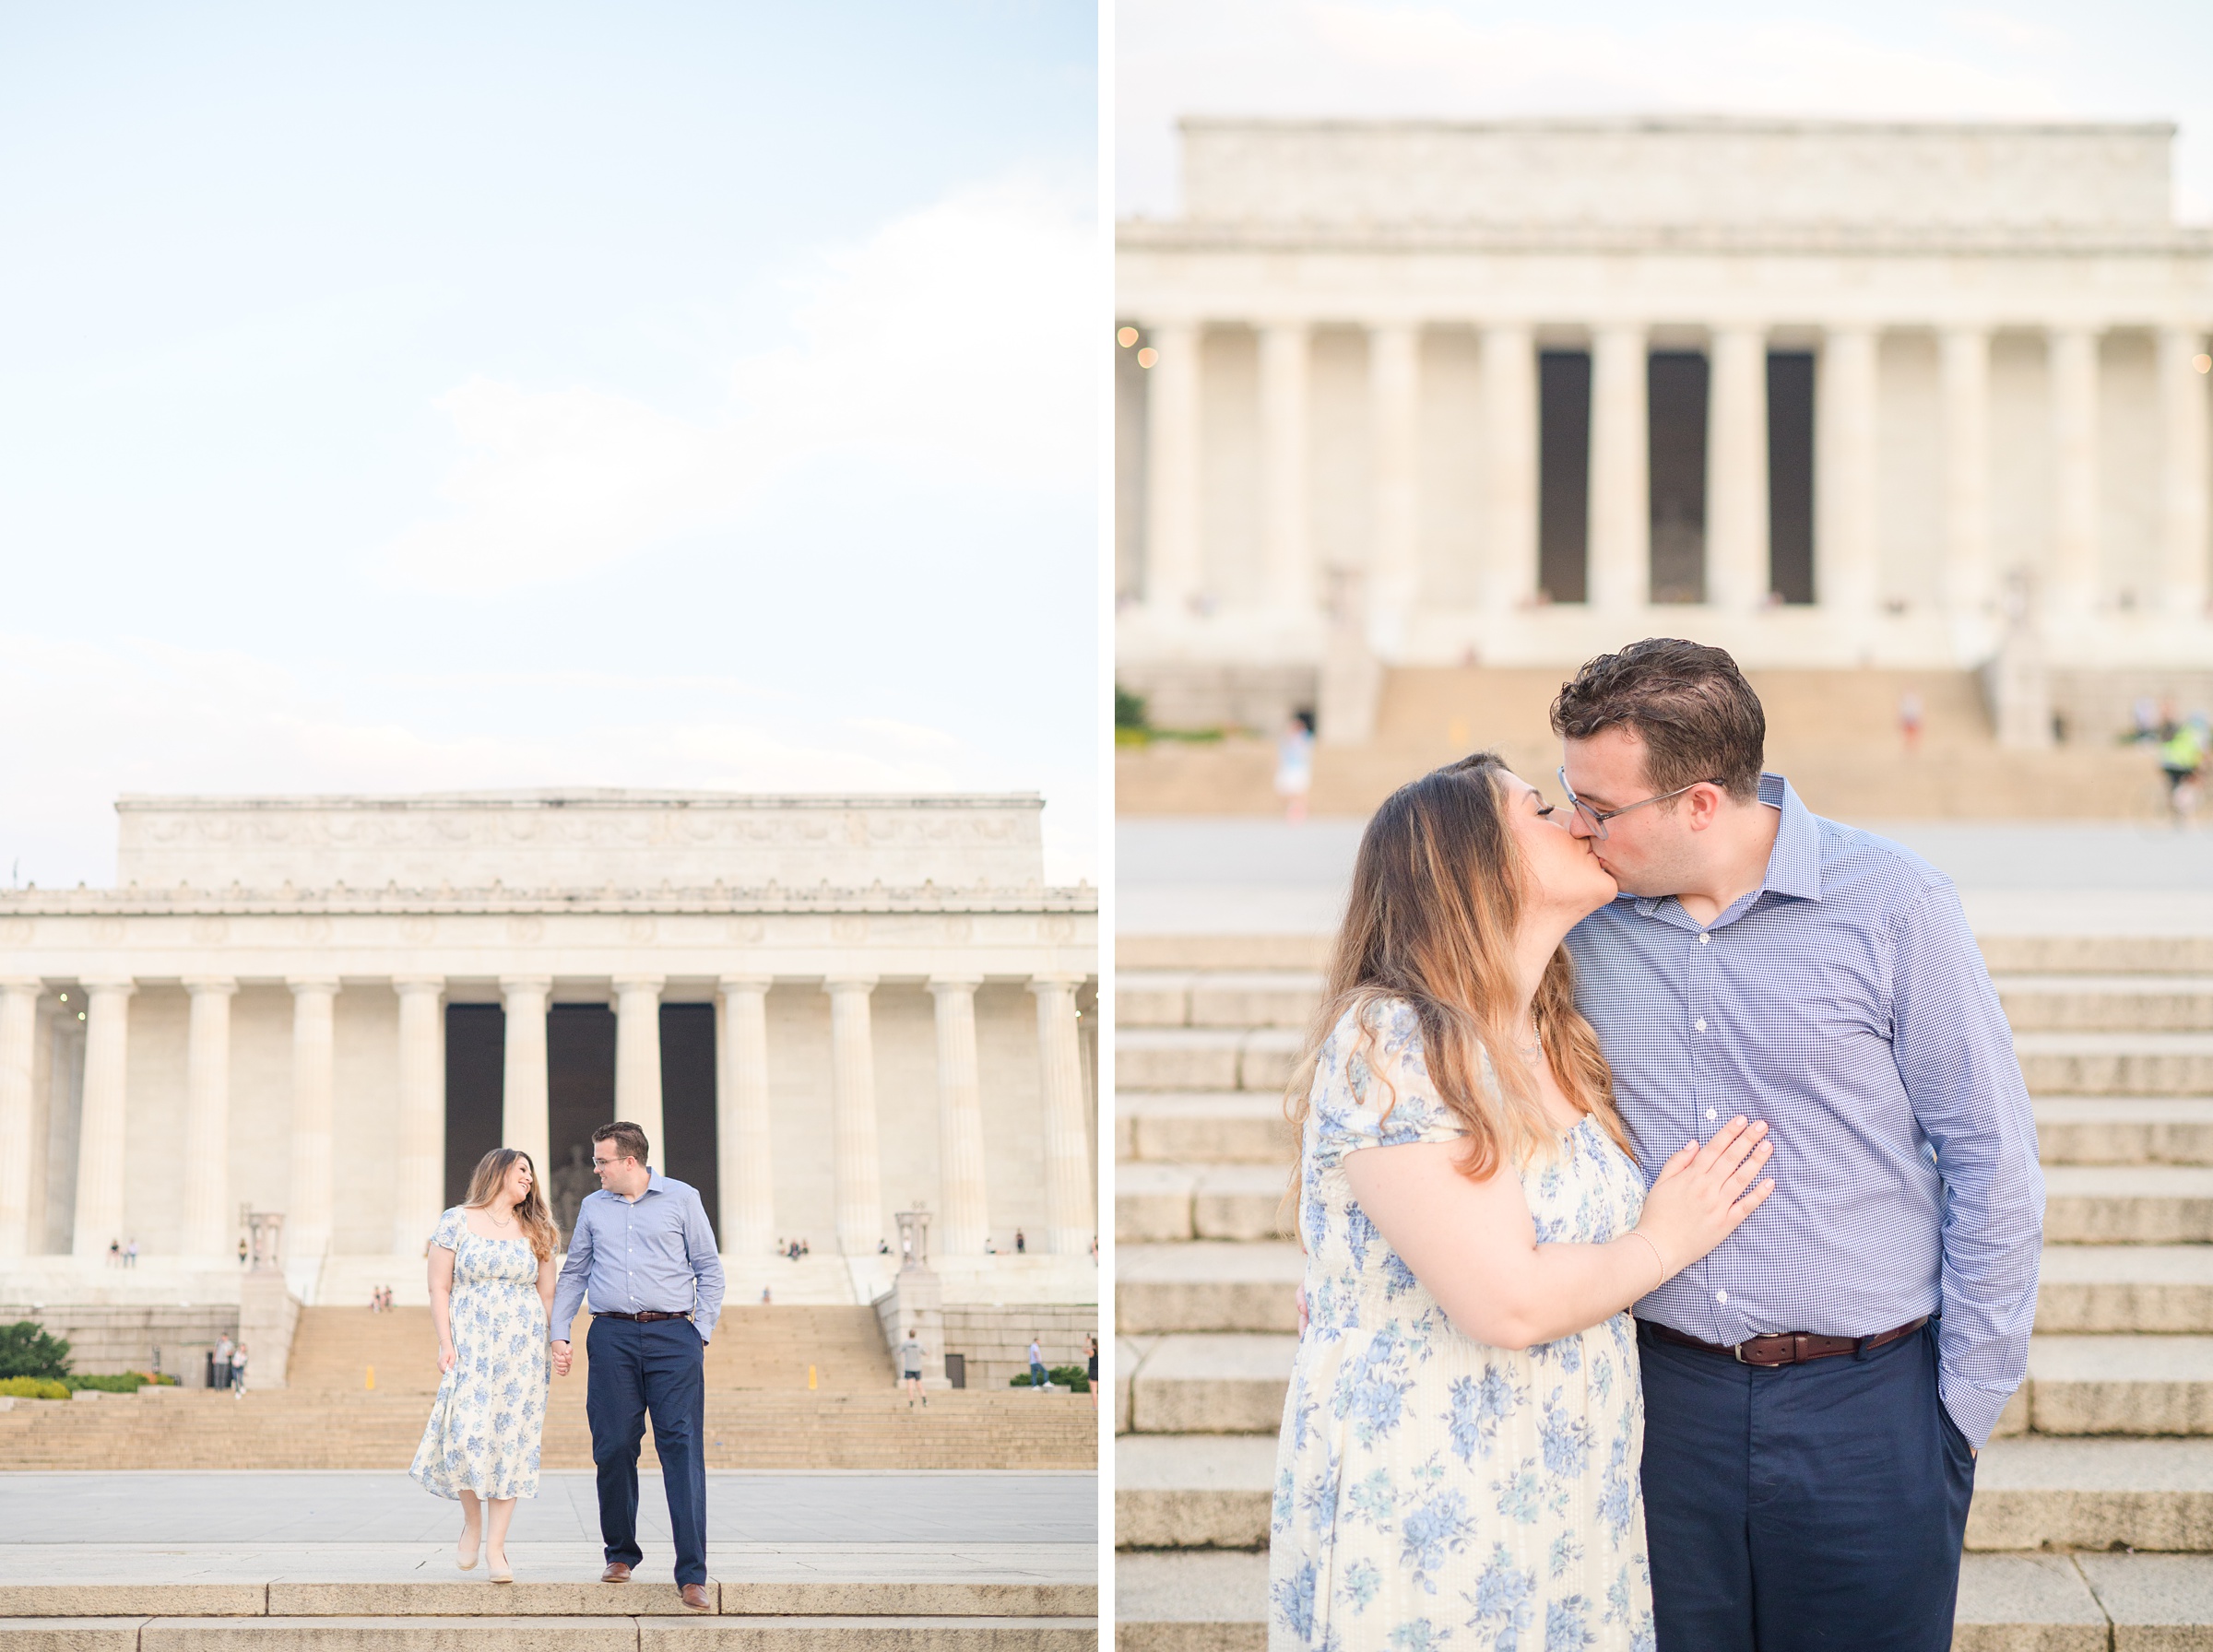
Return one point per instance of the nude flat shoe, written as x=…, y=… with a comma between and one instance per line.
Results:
x=468, y=1563
x=498, y=1571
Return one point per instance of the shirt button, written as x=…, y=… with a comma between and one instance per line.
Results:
x=1710, y=1113
x=1704, y=938
x=1721, y=1296
x=1699, y=1023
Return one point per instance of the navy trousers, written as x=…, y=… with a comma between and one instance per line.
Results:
x=1810, y=1507
x=658, y=1367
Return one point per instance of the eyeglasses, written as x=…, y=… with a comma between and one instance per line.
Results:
x=1596, y=819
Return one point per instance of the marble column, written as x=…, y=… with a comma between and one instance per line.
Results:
x=1846, y=565
x=2073, y=590
x=1510, y=414
x=854, y=1159
x=526, y=1118
x=638, y=1059
x=1287, y=553
x=1172, y=461
x=1393, y=550
x=966, y=1222
x=19, y=1048
x=1621, y=503
x=1069, y=1223
x=419, y=1187
x=1736, y=511
x=205, y=1166
x=1963, y=377
x=748, y=1187
x=100, y=1137
x=2183, y=577
x=310, y=1217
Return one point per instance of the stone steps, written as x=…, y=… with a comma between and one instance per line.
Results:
x=2108, y=1446
x=1239, y=1000
x=1228, y=1383
x=1213, y=1491
x=1214, y=1601
x=533, y=1598
x=2075, y=1063
x=570, y=1633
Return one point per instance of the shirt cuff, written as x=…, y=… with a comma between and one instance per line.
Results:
x=1974, y=1411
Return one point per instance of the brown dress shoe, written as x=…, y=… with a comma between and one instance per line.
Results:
x=616, y=1573
x=694, y=1595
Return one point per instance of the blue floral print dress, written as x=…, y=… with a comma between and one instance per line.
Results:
x=491, y=1411
x=1431, y=1492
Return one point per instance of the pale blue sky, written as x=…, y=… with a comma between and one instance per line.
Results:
x=414, y=396
x=2125, y=59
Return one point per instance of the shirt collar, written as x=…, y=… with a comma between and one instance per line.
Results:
x=1793, y=864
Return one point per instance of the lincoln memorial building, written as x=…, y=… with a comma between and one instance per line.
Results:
x=1509, y=393
x=823, y=1012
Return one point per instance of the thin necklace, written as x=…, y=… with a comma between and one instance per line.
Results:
x=1532, y=1051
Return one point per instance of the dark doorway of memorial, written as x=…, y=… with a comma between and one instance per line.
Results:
x=580, y=1096
x=688, y=1103
x=476, y=1063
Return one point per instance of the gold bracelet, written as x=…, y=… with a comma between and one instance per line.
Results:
x=1641, y=1234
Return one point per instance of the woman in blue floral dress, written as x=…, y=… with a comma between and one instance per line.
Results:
x=491, y=1295
x=1463, y=1429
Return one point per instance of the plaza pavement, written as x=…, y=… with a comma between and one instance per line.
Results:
x=984, y=1561
x=1241, y=875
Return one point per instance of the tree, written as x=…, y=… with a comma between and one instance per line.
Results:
x=26, y=1350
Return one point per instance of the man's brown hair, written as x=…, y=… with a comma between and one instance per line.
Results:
x=630, y=1141
x=1696, y=716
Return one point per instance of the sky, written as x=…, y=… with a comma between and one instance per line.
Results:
x=2120, y=59
x=420, y=397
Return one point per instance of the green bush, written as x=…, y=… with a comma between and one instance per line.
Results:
x=26, y=1350
x=125, y=1382
x=1074, y=1378
x=32, y=1387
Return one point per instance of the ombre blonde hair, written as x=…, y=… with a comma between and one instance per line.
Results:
x=532, y=1214
x=1437, y=893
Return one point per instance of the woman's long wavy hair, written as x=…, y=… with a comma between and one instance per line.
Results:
x=1436, y=892
x=531, y=1215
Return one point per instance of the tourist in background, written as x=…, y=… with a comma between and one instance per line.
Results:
x=1037, y=1377
x=644, y=1253
x=238, y=1372
x=492, y=1273
x=1091, y=1368
x=1462, y=1425
x=910, y=1369
x=1295, y=764
x=218, y=1369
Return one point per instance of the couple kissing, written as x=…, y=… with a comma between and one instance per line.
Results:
x=1671, y=1205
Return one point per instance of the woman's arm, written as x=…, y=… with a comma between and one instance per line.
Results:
x=441, y=1291
x=1473, y=1244
x=547, y=1274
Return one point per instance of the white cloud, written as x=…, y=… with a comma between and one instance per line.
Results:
x=91, y=721
x=954, y=345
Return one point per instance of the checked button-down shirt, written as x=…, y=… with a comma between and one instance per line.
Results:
x=655, y=1257
x=1845, y=1002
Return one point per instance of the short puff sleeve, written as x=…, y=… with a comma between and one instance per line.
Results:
x=1375, y=1090
x=451, y=1226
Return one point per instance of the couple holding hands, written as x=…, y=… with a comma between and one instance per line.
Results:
x=1671, y=1205
x=644, y=1251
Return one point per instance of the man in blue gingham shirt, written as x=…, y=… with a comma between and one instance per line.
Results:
x=1764, y=962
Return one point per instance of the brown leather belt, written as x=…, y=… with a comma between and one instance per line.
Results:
x=647, y=1317
x=1783, y=1348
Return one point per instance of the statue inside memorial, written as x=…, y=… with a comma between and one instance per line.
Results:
x=570, y=1183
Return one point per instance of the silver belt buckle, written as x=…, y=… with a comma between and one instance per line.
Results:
x=1738, y=1350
